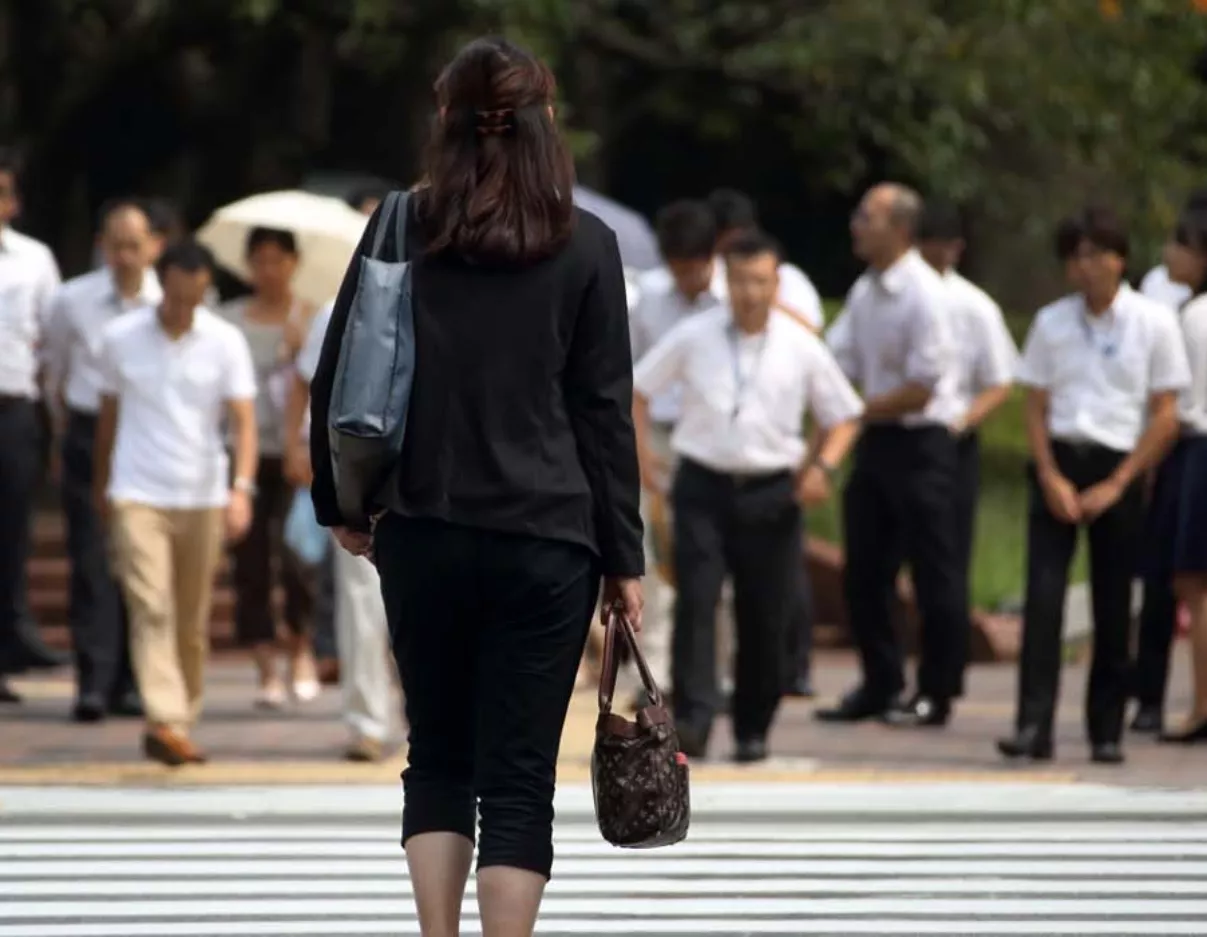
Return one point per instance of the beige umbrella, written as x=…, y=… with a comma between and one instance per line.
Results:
x=327, y=232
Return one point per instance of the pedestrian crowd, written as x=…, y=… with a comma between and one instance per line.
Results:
x=731, y=357
x=176, y=427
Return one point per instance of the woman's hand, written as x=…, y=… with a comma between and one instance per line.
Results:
x=356, y=542
x=626, y=595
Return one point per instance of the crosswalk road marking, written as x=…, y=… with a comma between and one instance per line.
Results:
x=109, y=873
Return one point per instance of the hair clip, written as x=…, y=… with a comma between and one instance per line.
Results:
x=495, y=122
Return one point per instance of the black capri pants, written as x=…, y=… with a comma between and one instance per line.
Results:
x=487, y=629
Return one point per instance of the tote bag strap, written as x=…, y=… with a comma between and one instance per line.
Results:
x=394, y=209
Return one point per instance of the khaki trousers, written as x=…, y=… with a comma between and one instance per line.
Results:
x=166, y=560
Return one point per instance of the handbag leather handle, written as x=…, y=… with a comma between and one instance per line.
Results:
x=616, y=626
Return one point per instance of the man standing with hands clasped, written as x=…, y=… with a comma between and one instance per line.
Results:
x=747, y=375
x=162, y=477
x=1102, y=368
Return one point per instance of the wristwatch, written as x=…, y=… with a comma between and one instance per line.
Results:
x=245, y=485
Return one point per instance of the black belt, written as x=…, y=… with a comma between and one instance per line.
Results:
x=8, y=401
x=1082, y=447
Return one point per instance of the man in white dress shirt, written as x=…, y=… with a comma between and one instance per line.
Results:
x=362, y=635
x=687, y=236
x=988, y=359
x=1102, y=368
x=895, y=339
x=81, y=311
x=748, y=374
x=29, y=277
x=171, y=374
x=735, y=213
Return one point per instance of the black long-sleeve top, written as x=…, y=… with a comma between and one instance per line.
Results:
x=520, y=416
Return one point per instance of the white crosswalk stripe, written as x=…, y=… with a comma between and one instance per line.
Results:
x=109, y=871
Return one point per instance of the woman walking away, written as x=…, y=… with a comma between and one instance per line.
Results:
x=1179, y=513
x=517, y=488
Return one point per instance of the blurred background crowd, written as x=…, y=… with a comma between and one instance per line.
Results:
x=132, y=123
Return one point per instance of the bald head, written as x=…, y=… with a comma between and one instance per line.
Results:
x=883, y=226
x=128, y=243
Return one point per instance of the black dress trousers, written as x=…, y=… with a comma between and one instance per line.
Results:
x=21, y=459
x=97, y=613
x=900, y=503
x=749, y=527
x=1051, y=542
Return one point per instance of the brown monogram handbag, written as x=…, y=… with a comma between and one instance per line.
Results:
x=638, y=774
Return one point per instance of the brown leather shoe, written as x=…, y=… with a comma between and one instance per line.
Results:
x=327, y=670
x=159, y=743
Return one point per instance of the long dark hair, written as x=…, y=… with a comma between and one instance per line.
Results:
x=498, y=175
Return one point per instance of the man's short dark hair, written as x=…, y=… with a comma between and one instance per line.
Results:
x=166, y=219
x=1098, y=225
x=10, y=160
x=753, y=242
x=940, y=221
x=733, y=210
x=686, y=231
x=187, y=255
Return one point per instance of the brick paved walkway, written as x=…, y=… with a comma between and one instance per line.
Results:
x=39, y=745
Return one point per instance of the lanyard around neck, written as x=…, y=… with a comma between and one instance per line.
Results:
x=1108, y=343
x=742, y=381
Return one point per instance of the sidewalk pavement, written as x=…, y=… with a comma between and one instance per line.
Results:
x=303, y=744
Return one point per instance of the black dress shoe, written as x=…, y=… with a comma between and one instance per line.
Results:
x=920, y=712
x=1106, y=753
x=856, y=706
x=127, y=706
x=1026, y=743
x=692, y=742
x=801, y=688
x=7, y=693
x=1149, y=720
x=749, y=751
x=88, y=708
x=1190, y=736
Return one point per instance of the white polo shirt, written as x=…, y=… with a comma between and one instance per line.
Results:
x=29, y=277
x=745, y=396
x=1100, y=371
x=1157, y=285
x=896, y=328
x=661, y=308
x=1192, y=402
x=81, y=309
x=986, y=352
x=172, y=396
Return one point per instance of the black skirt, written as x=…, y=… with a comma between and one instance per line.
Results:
x=1177, y=520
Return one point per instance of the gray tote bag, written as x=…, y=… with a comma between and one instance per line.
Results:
x=371, y=393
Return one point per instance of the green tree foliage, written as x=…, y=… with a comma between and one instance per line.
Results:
x=1021, y=108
